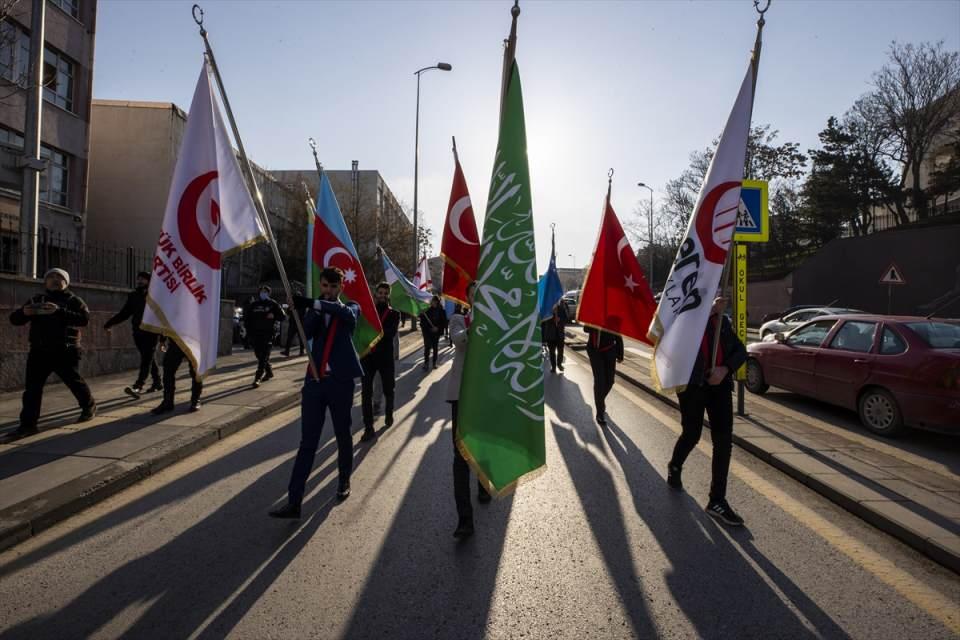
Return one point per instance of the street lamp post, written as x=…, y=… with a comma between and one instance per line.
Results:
x=570, y=255
x=442, y=66
x=650, y=234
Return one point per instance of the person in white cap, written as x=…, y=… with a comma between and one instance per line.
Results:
x=55, y=317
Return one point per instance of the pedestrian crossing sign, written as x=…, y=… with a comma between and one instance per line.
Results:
x=753, y=217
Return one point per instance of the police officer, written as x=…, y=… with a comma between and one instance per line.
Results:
x=146, y=341
x=710, y=388
x=259, y=318
x=171, y=362
x=55, y=318
x=380, y=361
x=605, y=350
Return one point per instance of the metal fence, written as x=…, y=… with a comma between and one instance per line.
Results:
x=939, y=213
x=92, y=263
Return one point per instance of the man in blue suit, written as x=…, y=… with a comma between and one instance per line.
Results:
x=329, y=325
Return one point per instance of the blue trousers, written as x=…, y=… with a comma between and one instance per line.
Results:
x=316, y=397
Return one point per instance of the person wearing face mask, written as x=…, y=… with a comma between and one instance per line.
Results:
x=259, y=319
x=380, y=361
x=145, y=341
x=329, y=325
x=55, y=319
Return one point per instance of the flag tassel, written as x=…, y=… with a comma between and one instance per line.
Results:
x=252, y=183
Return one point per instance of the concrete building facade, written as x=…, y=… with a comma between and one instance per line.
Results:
x=65, y=128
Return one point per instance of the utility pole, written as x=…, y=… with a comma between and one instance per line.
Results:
x=31, y=163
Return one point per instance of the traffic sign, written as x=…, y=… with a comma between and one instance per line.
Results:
x=753, y=215
x=892, y=275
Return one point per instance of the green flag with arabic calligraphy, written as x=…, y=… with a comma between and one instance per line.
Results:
x=500, y=428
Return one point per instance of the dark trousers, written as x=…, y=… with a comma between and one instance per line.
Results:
x=171, y=362
x=40, y=364
x=146, y=344
x=262, y=345
x=556, y=354
x=372, y=367
x=316, y=397
x=291, y=334
x=431, y=342
x=718, y=402
x=461, y=477
x=604, y=365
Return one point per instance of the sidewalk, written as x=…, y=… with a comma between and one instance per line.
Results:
x=900, y=493
x=67, y=467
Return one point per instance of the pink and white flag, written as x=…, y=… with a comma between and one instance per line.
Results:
x=209, y=215
x=681, y=317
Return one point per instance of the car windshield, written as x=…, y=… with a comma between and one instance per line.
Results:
x=937, y=335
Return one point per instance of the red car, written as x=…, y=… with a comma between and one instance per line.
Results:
x=895, y=371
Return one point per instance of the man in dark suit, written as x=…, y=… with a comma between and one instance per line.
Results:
x=380, y=361
x=330, y=325
x=259, y=319
x=710, y=388
x=145, y=341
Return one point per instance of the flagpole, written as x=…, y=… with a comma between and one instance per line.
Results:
x=252, y=184
x=509, y=53
x=311, y=213
x=725, y=275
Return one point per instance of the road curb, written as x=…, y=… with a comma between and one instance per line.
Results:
x=940, y=552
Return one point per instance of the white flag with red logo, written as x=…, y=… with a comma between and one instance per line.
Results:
x=209, y=215
x=681, y=318
x=422, y=279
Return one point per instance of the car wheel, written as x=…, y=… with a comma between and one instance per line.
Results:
x=755, y=381
x=880, y=413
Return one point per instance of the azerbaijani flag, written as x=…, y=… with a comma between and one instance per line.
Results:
x=404, y=296
x=332, y=247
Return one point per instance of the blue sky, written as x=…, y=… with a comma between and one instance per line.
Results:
x=631, y=85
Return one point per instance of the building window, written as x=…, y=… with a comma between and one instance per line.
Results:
x=69, y=6
x=57, y=79
x=55, y=181
x=14, y=53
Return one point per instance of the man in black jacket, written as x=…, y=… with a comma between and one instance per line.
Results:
x=711, y=388
x=259, y=318
x=171, y=362
x=379, y=360
x=55, y=318
x=146, y=341
x=553, y=331
x=432, y=322
x=605, y=350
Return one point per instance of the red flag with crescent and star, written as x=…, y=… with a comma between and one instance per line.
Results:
x=209, y=214
x=616, y=296
x=460, y=247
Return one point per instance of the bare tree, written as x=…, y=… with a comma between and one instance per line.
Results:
x=917, y=96
x=12, y=79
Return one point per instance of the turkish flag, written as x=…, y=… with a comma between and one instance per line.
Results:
x=460, y=247
x=615, y=295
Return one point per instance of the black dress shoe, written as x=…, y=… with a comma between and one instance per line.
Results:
x=601, y=420
x=388, y=420
x=343, y=492
x=163, y=407
x=195, y=406
x=287, y=511
x=88, y=413
x=156, y=386
x=269, y=376
x=26, y=430
x=673, y=477
x=135, y=391
x=256, y=382
x=464, y=530
x=368, y=434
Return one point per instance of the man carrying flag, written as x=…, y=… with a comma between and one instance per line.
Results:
x=460, y=247
x=500, y=428
x=553, y=313
x=615, y=302
x=209, y=215
x=694, y=363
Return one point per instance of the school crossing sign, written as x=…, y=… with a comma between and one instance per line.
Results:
x=753, y=217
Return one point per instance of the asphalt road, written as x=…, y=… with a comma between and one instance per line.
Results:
x=595, y=547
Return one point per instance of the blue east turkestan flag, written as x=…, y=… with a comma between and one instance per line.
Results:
x=549, y=288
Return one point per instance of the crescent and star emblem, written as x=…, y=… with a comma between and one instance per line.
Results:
x=191, y=235
x=629, y=282
x=456, y=212
x=349, y=274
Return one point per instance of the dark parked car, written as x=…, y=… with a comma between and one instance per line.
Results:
x=895, y=371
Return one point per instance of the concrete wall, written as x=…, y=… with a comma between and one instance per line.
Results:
x=768, y=296
x=850, y=269
x=103, y=353
x=133, y=153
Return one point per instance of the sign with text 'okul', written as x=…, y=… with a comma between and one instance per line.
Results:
x=753, y=216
